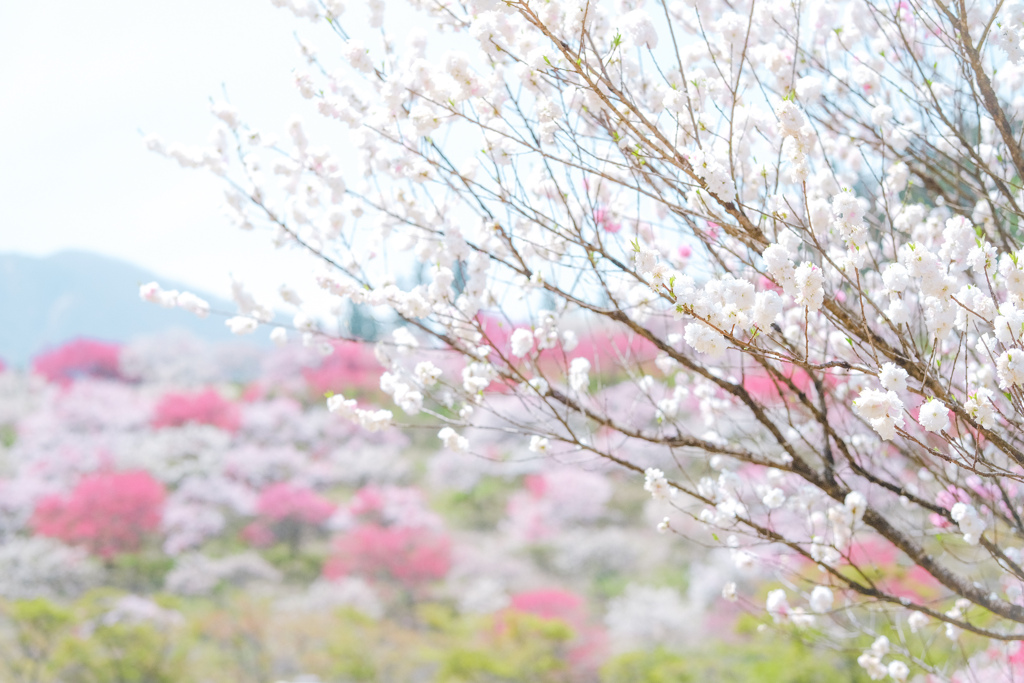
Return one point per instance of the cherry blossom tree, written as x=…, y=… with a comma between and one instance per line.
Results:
x=802, y=219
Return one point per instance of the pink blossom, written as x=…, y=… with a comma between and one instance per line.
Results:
x=872, y=552
x=410, y=556
x=108, y=513
x=603, y=219
x=952, y=495
x=205, y=407
x=258, y=534
x=79, y=358
x=368, y=500
x=351, y=366
x=288, y=501
x=767, y=388
x=552, y=603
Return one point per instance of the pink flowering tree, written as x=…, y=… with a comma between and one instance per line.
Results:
x=287, y=513
x=409, y=556
x=392, y=536
x=350, y=367
x=108, y=513
x=79, y=358
x=205, y=407
x=802, y=219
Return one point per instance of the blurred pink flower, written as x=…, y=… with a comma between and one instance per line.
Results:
x=410, y=556
x=79, y=358
x=258, y=534
x=351, y=366
x=205, y=407
x=109, y=513
x=551, y=603
x=603, y=219
x=288, y=501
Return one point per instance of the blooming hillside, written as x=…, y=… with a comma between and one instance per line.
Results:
x=191, y=513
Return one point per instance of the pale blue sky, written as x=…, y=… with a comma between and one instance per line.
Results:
x=80, y=80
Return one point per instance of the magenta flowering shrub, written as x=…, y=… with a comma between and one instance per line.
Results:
x=108, y=513
x=203, y=407
x=79, y=358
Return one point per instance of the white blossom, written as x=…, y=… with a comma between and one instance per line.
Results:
x=777, y=606
x=1010, y=367
x=884, y=410
x=657, y=485
x=427, y=373
x=640, y=29
x=934, y=416
x=821, y=599
x=241, y=325
x=917, y=621
x=453, y=441
x=704, y=339
x=522, y=342
x=898, y=671
x=579, y=374
x=774, y=498
x=893, y=378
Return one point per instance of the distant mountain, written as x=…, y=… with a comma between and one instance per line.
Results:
x=47, y=301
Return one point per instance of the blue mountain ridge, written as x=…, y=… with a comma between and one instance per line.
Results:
x=47, y=301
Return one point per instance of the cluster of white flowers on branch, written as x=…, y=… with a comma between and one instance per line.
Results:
x=797, y=225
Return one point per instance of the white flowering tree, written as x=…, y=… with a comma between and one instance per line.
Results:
x=787, y=233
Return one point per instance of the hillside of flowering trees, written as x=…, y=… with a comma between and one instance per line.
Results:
x=164, y=523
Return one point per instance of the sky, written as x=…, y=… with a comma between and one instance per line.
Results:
x=83, y=82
